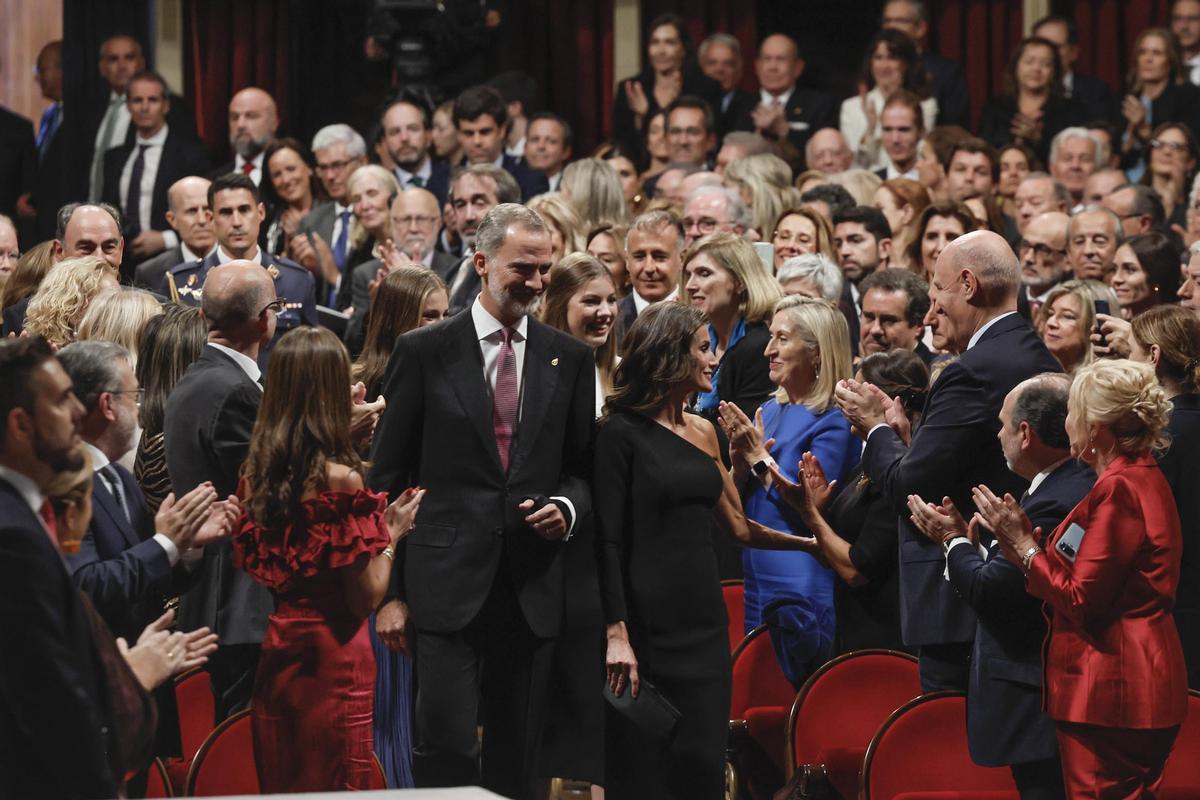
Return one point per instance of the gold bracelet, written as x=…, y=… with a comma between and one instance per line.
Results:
x=390, y=552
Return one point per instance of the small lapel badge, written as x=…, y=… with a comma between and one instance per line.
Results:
x=554, y=362
x=273, y=271
x=191, y=281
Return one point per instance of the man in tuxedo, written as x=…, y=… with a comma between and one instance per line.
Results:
x=53, y=695
x=482, y=121
x=548, y=141
x=973, y=298
x=210, y=415
x=827, y=152
x=237, y=217
x=190, y=217
x=893, y=304
x=720, y=57
x=787, y=113
x=474, y=191
x=911, y=17
x=130, y=562
x=1075, y=153
x=1092, y=93
x=138, y=175
x=408, y=133
x=655, y=247
x=1006, y=725
x=338, y=150
x=508, y=404
x=1093, y=236
x=253, y=122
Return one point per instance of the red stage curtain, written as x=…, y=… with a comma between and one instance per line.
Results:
x=1107, y=30
x=980, y=35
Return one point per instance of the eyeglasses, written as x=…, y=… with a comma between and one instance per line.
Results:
x=138, y=394
x=1174, y=147
x=704, y=224
x=11, y=255
x=334, y=166
x=692, y=133
x=278, y=305
x=1040, y=251
x=415, y=220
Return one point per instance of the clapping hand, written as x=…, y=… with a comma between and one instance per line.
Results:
x=223, y=516
x=862, y=407
x=180, y=520
x=363, y=415
x=635, y=95
x=813, y=474
x=161, y=653
x=1007, y=520
x=745, y=437
x=940, y=523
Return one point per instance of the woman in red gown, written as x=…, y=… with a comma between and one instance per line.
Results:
x=324, y=546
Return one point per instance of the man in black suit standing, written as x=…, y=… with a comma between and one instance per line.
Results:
x=1006, y=725
x=53, y=697
x=192, y=220
x=973, y=298
x=407, y=134
x=482, y=121
x=137, y=175
x=787, y=113
x=720, y=57
x=949, y=83
x=18, y=160
x=210, y=415
x=54, y=187
x=489, y=412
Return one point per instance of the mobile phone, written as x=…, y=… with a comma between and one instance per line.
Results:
x=766, y=254
x=1101, y=308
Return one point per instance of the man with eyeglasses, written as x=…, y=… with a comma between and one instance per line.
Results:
x=10, y=250
x=710, y=209
x=1043, y=255
x=237, y=217
x=1185, y=23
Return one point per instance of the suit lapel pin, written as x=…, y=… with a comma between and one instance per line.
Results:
x=554, y=362
x=273, y=271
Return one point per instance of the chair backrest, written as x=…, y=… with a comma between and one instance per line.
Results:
x=1182, y=772
x=922, y=747
x=158, y=784
x=843, y=703
x=758, y=680
x=224, y=764
x=378, y=776
x=194, y=697
x=735, y=607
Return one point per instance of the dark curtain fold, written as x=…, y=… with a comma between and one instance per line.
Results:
x=1107, y=30
x=980, y=35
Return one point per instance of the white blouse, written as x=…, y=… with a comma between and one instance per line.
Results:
x=867, y=145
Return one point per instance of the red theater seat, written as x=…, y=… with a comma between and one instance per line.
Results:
x=735, y=607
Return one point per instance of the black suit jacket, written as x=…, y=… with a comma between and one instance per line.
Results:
x=1181, y=466
x=737, y=116
x=14, y=316
x=439, y=180
x=181, y=157
x=53, y=698
x=437, y=433
x=1005, y=721
x=1094, y=97
x=950, y=89
x=18, y=161
x=531, y=181
x=995, y=122
x=952, y=450
x=807, y=111
x=626, y=316
x=210, y=415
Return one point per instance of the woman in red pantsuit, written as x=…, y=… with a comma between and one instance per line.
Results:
x=324, y=546
x=1116, y=685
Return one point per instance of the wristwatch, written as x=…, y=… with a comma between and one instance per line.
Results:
x=760, y=467
x=1028, y=555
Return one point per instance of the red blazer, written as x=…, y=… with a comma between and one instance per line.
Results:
x=1113, y=657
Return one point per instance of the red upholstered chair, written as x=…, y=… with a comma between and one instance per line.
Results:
x=193, y=696
x=921, y=751
x=1181, y=776
x=158, y=783
x=759, y=702
x=840, y=707
x=224, y=764
x=735, y=606
x=378, y=776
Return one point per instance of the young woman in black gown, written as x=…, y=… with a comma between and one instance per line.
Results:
x=659, y=480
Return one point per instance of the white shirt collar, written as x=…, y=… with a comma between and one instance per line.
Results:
x=499, y=162
x=99, y=460
x=486, y=325
x=768, y=98
x=893, y=173
x=157, y=140
x=641, y=304
x=189, y=255
x=26, y=487
x=979, y=333
x=225, y=258
x=248, y=364
x=113, y=97
x=423, y=172
x=1041, y=476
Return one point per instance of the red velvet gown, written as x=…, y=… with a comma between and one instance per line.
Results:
x=311, y=711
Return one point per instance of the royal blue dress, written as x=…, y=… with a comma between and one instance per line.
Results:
x=772, y=574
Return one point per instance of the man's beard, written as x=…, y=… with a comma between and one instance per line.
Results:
x=510, y=304
x=248, y=147
x=60, y=459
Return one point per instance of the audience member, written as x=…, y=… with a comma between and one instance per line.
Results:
x=370, y=190
x=949, y=83
x=787, y=113
x=565, y=226
x=1139, y=208
x=119, y=317
x=253, y=122
x=10, y=249
x=594, y=191
x=1039, y=193
x=737, y=145
x=654, y=144
x=38, y=193
x=1109, y=604
x=519, y=91
x=761, y=181
x=714, y=209
x=26, y=278
x=475, y=190
x=1157, y=92
x=607, y=244
x=1092, y=94
x=827, y=152
x=720, y=58
x=938, y=225
x=799, y=231
x=1015, y=162
x=407, y=298
x=623, y=164
x=901, y=123
x=190, y=217
x=1075, y=153
x=859, y=183
x=1043, y=254
x=1093, y=236
x=901, y=202
x=1147, y=273
x=828, y=199
x=120, y=59
x=290, y=192
x=971, y=170
x=894, y=304
x=408, y=133
x=89, y=229
x=1189, y=288
x=1067, y=318
x=444, y=141
x=1102, y=183
x=811, y=275
x=655, y=245
x=1172, y=168
x=864, y=244
x=548, y=144
x=1033, y=109
x=481, y=119
x=1185, y=24
x=57, y=308
x=933, y=157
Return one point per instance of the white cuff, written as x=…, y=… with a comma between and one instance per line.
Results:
x=170, y=238
x=955, y=542
x=571, y=514
x=875, y=428
x=169, y=547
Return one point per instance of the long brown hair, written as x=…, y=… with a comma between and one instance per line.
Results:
x=395, y=309
x=567, y=277
x=1176, y=331
x=658, y=356
x=303, y=425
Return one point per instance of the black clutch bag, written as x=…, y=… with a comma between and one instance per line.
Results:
x=650, y=711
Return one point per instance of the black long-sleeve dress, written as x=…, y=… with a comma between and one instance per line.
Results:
x=654, y=498
x=1181, y=466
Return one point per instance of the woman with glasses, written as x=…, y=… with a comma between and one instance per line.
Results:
x=1159, y=92
x=1173, y=159
x=799, y=231
x=1147, y=273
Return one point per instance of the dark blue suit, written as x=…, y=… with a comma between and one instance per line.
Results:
x=1005, y=721
x=292, y=282
x=952, y=450
x=438, y=182
x=53, y=698
x=531, y=181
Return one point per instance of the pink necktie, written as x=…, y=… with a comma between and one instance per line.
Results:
x=504, y=400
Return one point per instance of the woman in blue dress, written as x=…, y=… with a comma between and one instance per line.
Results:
x=808, y=353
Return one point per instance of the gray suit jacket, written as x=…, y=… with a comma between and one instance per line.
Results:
x=149, y=274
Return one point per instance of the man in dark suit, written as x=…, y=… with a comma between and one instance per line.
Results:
x=138, y=175
x=18, y=160
x=863, y=241
x=53, y=696
x=787, y=113
x=237, y=217
x=949, y=83
x=1006, y=725
x=504, y=405
x=892, y=308
x=192, y=220
x=974, y=303
x=56, y=182
x=482, y=119
x=253, y=122
x=407, y=134
x=720, y=57
x=475, y=191
x=210, y=415
x=655, y=247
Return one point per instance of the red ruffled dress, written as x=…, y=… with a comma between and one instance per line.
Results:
x=313, y=694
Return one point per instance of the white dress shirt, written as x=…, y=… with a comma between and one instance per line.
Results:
x=225, y=258
x=248, y=364
x=640, y=303
x=99, y=462
x=150, y=161
x=424, y=172
x=256, y=174
x=767, y=99
x=1192, y=65
x=554, y=180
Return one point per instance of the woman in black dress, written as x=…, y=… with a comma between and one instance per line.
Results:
x=857, y=530
x=1033, y=110
x=658, y=482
